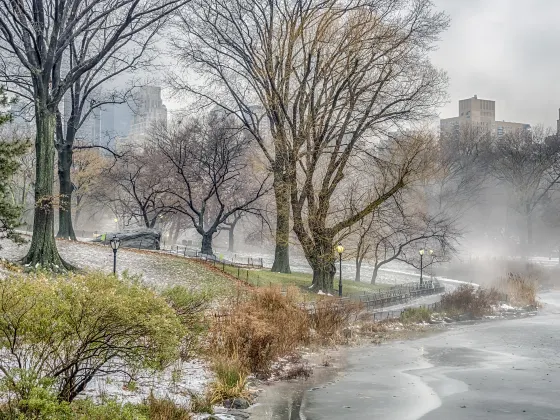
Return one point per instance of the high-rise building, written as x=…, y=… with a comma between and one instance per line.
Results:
x=90, y=130
x=148, y=111
x=480, y=113
x=116, y=120
x=558, y=124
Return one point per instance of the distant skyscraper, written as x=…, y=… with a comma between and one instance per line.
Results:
x=558, y=124
x=148, y=111
x=116, y=120
x=480, y=113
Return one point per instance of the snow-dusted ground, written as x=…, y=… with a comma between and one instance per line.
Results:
x=157, y=270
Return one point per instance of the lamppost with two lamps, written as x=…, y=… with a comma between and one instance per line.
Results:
x=421, y=252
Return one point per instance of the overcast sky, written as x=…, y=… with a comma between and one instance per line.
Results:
x=503, y=50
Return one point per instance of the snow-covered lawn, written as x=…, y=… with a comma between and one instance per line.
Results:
x=157, y=269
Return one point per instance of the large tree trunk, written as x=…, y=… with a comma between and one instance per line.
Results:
x=374, y=276
x=65, y=227
x=323, y=275
x=282, y=250
x=207, y=243
x=43, y=245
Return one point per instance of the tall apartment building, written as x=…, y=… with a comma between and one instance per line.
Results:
x=480, y=113
x=149, y=109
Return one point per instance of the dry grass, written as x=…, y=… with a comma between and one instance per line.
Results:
x=230, y=382
x=166, y=409
x=467, y=299
x=520, y=289
x=260, y=328
x=331, y=316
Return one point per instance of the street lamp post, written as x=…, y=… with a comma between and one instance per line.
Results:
x=340, y=250
x=115, y=243
x=431, y=252
x=116, y=223
x=421, y=252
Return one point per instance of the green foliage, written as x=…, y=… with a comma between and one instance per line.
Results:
x=10, y=153
x=415, y=315
x=71, y=328
x=189, y=306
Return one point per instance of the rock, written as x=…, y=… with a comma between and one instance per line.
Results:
x=137, y=238
x=240, y=403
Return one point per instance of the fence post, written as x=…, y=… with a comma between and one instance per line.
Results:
x=237, y=272
x=247, y=276
x=223, y=266
x=185, y=252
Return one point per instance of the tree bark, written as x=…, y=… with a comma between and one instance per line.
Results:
x=282, y=249
x=65, y=227
x=374, y=276
x=207, y=243
x=43, y=249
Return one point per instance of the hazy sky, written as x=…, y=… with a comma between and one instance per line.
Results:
x=504, y=50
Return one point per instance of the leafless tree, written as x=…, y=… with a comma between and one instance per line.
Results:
x=215, y=175
x=324, y=76
x=527, y=162
x=36, y=40
x=138, y=187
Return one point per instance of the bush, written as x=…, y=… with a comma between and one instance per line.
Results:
x=416, y=315
x=258, y=330
x=467, y=299
x=165, y=409
x=70, y=329
x=190, y=307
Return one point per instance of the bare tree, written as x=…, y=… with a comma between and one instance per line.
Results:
x=324, y=75
x=215, y=178
x=138, y=187
x=36, y=38
x=528, y=164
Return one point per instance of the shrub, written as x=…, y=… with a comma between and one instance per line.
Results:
x=72, y=328
x=201, y=403
x=261, y=328
x=467, y=299
x=190, y=307
x=416, y=315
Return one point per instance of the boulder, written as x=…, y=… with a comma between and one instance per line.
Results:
x=136, y=238
x=240, y=403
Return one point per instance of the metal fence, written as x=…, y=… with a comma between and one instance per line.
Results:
x=396, y=313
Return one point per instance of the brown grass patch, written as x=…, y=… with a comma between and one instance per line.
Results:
x=331, y=316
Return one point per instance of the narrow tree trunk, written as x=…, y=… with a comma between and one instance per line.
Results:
x=65, y=227
x=43, y=245
x=529, y=232
x=358, y=268
x=374, y=276
x=230, y=238
x=282, y=250
x=207, y=243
